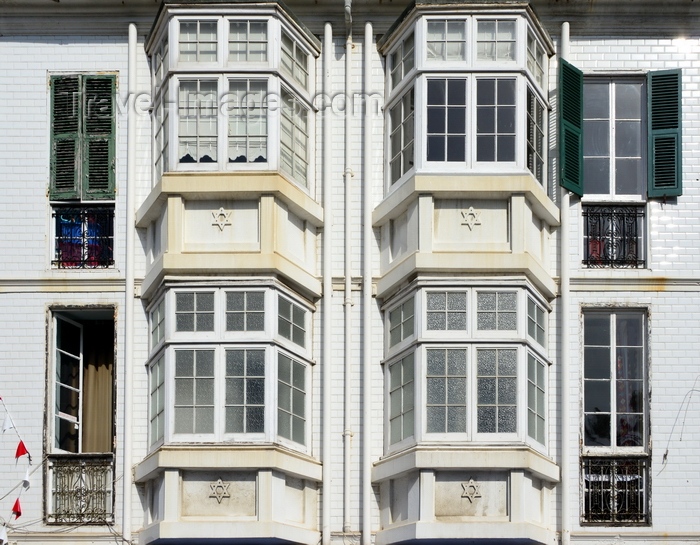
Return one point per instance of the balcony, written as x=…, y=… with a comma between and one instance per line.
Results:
x=84, y=237
x=81, y=489
x=615, y=490
x=613, y=237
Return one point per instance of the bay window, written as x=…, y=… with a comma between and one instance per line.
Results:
x=248, y=108
x=457, y=367
x=477, y=95
x=229, y=364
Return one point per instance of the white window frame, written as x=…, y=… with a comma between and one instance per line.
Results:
x=157, y=321
x=410, y=394
x=271, y=433
x=539, y=309
x=401, y=61
x=453, y=22
x=446, y=333
x=498, y=333
x=271, y=144
x=612, y=196
x=517, y=41
x=294, y=306
x=404, y=339
x=247, y=21
x=401, y=101
x=613, y=449
x=156, y=406
x=204, y=18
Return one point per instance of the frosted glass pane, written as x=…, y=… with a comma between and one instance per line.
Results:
x=436, y=391
x=298, y=405
x=507, y=420
x=486, y=321
x=234, y=420
x=298, y=430
x=456, y=391
x=205, y=322
x=486, y=362
x=235, y=391
x=507, y=391
x=184, y=363
x=255, y=421
x=456, y=301
x=255, y=301
x=436, y=419
x=283, y=424
x=184, y=391
x=486, y=419
x=507, y=362
x=256, y=363
x=436, y=321
x=531, y=396
x=255, y=394
x=205, y=363
x=507, y=301
x=507, y=322
x=204, y=420
x=457, y=362
x=456, y=420
x=184, y=419
x=235, y=300
x=235, y=322
x=235, y=363
x=436, y=301
x=205, y=392
x=486, y=301
x=486, y=391
x=284, y=397
x=184, y=302
x=436, y=362
x=408, y=424
x=456, y=321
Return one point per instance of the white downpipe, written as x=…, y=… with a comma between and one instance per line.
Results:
x=129, y=287
x=366, y=290
x=564, y=324
x=347, y=433
x=327, y=292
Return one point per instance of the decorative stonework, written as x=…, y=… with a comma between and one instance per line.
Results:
x=219, y=490
x=471, y=217
x=471, y=490
x=222, y=218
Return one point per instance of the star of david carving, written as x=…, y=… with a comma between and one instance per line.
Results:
x=219, y=490
x=221, y=218
x=471, y=218
x=471, y=490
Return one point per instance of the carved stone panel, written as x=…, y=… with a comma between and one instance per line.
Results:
x=224, y=493
x=467, y=494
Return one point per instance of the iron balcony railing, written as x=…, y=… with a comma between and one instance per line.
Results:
x=613, y=236
x=84, y=237
x=615, y=490
x=81, y=489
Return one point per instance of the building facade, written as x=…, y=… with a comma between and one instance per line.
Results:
x=372, y=272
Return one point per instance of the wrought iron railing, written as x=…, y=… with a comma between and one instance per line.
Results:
x=84, y=237
x=615, y=490
x=81, y=489
x=613, y=236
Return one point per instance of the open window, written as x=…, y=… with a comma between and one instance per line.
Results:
x=81, y=453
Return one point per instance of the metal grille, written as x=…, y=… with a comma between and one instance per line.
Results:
x=84, y=237
x=81, y=489
x=615, y=490
x=613, y=236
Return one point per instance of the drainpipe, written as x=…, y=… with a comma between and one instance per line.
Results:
x=347, y=433
x=564, y=325
x=366, y=290
x=129, y=288
x=327, y=290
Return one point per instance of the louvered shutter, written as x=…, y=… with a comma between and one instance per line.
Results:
x=66, y=113
x=98, y=142
x=570, y=127
x=664, y=109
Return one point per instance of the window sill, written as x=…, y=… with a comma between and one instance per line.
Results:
x=433, y=456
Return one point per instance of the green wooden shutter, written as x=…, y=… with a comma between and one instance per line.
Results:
x=66, y=113
x=570, y=127
x=98, y=142
x=664, y=110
